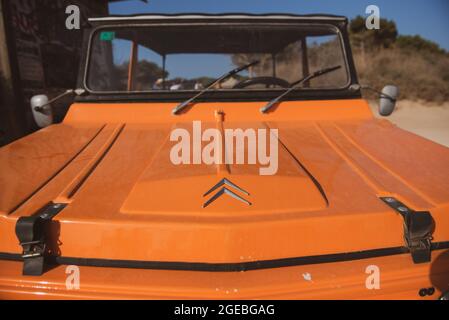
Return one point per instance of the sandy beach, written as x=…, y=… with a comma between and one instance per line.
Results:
x=427, y=120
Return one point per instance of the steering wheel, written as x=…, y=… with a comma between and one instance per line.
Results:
x=262, y=80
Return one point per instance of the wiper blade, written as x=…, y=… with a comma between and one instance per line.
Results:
x=295, y=85
x=218, y=80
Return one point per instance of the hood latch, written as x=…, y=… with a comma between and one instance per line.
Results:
x=418, y=229
x=33, y=234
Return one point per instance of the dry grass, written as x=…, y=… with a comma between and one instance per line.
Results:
x=419, y=75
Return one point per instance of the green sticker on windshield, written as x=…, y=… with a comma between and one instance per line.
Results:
x=107, y=35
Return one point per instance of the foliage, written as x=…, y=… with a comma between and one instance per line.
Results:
x=419, y=67
x=148, y=72
x=417, y=43
x=383, y=37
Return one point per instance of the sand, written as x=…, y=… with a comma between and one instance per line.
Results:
x=427, y=120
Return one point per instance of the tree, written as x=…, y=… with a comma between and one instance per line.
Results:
x=145, y=75
x=149, y=72
x=381, y=38
x=417, y=43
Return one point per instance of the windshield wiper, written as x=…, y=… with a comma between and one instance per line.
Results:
x=295, y=85
x=218, y=80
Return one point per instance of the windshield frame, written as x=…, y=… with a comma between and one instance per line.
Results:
x=337, y=27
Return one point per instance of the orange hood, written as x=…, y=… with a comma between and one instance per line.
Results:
x=127, y=201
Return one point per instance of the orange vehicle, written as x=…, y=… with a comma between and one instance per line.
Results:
x=166, y=180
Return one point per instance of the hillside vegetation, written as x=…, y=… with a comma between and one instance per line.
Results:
x=419, y=67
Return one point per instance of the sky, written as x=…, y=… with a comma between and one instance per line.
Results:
x=428, y=18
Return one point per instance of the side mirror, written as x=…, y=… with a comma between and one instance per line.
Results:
x=388, y=99
x=42, y=111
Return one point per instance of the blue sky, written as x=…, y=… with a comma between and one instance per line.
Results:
x=430, y=18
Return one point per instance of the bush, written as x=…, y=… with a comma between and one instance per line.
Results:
x=419, y=67
x=416, y=43
x=418, y=75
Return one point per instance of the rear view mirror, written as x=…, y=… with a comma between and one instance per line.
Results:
x=42, y=111
x=388, y=99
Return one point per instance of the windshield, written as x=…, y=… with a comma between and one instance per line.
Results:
x=189, y=57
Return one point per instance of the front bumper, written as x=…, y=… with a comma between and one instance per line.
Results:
x=398, y=278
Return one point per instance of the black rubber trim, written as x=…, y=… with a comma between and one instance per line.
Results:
x=236, y=96
x=227, y=267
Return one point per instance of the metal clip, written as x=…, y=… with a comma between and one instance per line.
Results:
x=32, y=234
x=418, y=229
x=33, y=249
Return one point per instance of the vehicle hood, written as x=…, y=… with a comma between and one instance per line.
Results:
x=127, y=200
